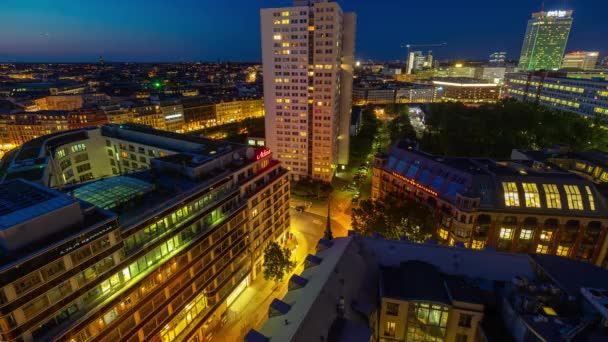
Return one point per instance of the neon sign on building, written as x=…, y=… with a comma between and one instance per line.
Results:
x=263, y=153
x=415, y=184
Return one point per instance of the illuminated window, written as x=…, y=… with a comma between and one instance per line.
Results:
x=546, y=235
x=575, y=200
x=254, y=212
x=477, y=244
x=563, y=251
x=506, y=233
x=525, y=234
x=390, y=329
x=590, y=197
x=552, y=196
x=60, y=153
x=426, y=322
x=79, y=148
x=531, y=194
x=542, y=249
x=443, y=234
x=285, y=14
x=285, y=21
x=511, y=194
x=277, y=37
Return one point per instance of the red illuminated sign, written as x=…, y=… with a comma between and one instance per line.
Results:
x=414, y=183
x=262, y=154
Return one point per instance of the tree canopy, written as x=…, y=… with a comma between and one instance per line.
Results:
x=493, y=130
x=277, y=262
x=362, y=144
x=394, y=217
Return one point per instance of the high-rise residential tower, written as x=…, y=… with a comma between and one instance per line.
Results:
x=308, y=57
x=545, y=40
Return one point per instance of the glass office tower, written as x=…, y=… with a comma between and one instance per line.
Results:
x=545, y=40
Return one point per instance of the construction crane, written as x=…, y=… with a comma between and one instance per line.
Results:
x=409, y=46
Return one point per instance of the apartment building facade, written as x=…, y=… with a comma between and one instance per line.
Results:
x=517, y=206
x=307, y=53
x=151, y=255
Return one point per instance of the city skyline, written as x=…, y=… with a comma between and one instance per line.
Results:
x=190, y=31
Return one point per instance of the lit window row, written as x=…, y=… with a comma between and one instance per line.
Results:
x=552, y=196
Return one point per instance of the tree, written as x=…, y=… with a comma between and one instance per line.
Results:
x=277, y=262
x=394, y=217
x=493, y=130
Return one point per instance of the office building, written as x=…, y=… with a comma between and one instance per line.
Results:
x=497, y=59
x=510, y=205
x=415, y=93
x=361, y=289
x=417, y=61
x=545, y=40
x=307, y=53
x=467, y=90
x=154, y=253
x=584, y=60
x=492, y=74
x=587, y=97
x=461, y=71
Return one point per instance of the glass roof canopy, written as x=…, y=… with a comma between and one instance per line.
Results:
x=110, y=192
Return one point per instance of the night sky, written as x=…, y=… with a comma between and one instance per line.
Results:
x=205, y=30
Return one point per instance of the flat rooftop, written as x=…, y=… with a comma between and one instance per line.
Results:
x=111, y=192
x=22, y=201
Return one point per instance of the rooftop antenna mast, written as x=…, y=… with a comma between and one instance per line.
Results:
x=542, y=5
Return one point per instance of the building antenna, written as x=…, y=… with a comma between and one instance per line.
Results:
x=542, y=5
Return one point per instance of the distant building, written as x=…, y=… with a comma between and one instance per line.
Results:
x=462, y=71
x=510, y=205
x=583, y=60
x=308, y=62
x=467, y=90
x=418, y=61
x=497, y=59
x=235, y=111
x=60, y=102
x=587, y=97
x=491, y=74
x=545, y=40
x=23, y=127
x=157, y=253
x=392, y=92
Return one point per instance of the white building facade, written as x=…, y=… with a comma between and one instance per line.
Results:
x=308, y=57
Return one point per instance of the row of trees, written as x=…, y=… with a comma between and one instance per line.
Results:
x=363, y=143
x=394, y=217
x=492, y=130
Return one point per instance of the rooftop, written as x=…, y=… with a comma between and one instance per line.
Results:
x=22, y=201
x=414, y=280
x=110, y=192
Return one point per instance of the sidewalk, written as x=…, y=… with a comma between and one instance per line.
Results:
x=250, y=309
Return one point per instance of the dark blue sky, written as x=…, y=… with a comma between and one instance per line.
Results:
x=192, y=30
